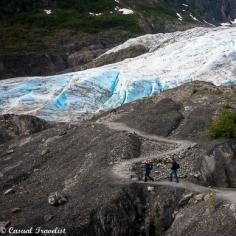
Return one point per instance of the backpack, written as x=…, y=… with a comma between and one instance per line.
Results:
x=177, y=166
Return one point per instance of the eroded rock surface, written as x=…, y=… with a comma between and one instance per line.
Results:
x=78, y=160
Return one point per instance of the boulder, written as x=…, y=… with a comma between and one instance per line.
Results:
x=219, y=166
x=150, y=188
x=56, y=199
x=48, y=217
x=15, y=210
x=19, y=125
x=44, y=152
x=9, y=191
x=199, y=197
x=184, y=201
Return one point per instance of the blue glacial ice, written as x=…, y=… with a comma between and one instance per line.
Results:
x=174, y=59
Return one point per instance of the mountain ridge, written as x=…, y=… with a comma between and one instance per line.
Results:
x=51, y=36
x=168, y=61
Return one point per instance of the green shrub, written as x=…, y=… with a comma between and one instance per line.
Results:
x=155, y=222
x=219, y=91
x=224, y=125
x=233, y=183
x=38, y=32
x=10, y=7
x=227, y=106
x=211, y=201
x=195, y=89
x=74, y=20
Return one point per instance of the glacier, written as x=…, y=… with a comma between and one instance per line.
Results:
x=204, y=54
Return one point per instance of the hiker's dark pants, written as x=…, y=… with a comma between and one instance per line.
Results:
x=174, y=174
x=147, y=176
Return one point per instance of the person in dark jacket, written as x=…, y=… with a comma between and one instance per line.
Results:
x=174, y=168
x=148, y=168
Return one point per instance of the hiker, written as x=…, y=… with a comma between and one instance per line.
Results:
x=148, y=168
x=174, y=168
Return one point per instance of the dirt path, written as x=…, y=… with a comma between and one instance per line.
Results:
x=122, y=169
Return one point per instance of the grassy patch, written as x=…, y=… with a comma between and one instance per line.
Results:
x=233, y=183
x=219, y=91
x=25, y=27
x=35, y=31
x=224, y=126
x=15, y=6
x=163, y=12
x=155, y=223
x=195, y=89
x=211, y=201
x=72, y=19
x=25, y=40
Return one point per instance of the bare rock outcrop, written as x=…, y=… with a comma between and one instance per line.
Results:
x=20, y=125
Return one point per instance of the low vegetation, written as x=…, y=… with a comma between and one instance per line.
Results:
x=15, y=6
x=233, y=183
x=224, y=126
x=195, y=89
x=219, y=91
x=211, y=201
x=37, y=31
x=156, y=227
x=25, y=26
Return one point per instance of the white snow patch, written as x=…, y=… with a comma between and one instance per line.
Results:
x=48, y=12
x=95, y=14
x=193, y=17
x=226, y=24
x=209, y=23
x=179, y=17
x=124, y=11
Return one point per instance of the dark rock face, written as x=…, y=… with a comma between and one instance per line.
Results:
x=130, y=52
x=197, y=121
x=127, y=216
x=80, y=165
x=212, y=11
x=13, y=125
x=160, y=118
x=90, y=46
x=123, y=216
x=105, y=59
x=66, y=58
x=72, y=165
x=218, y=168
x=229, y=10
x=27, y=5
x=195, y=220
x=31, y=65
x=215, y=12
x=77, y=166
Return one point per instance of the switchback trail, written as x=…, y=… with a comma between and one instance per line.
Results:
x=122, y=170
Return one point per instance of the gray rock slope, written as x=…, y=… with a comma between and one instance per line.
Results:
x=74, y=165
